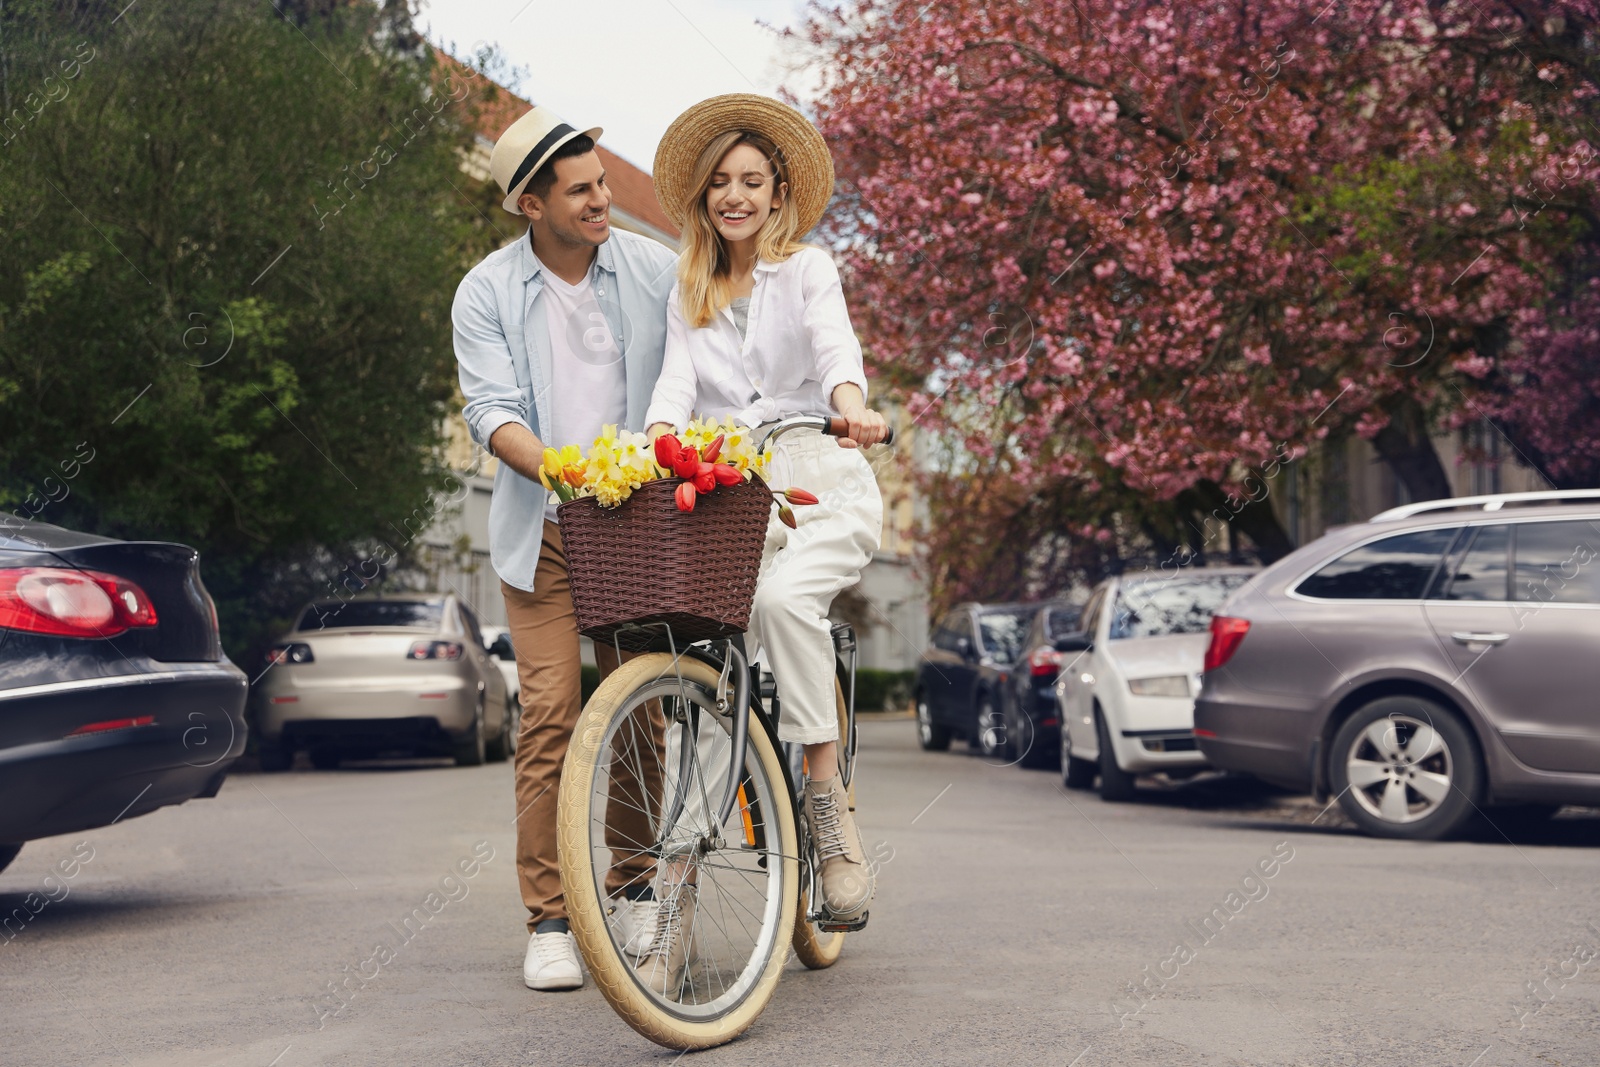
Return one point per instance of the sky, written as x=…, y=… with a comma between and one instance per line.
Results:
x=629, y=66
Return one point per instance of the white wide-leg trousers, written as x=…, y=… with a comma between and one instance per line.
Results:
x=803, y=569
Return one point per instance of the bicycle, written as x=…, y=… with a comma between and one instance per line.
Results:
x=674, y=723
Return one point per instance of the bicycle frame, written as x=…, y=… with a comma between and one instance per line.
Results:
x=730, y=661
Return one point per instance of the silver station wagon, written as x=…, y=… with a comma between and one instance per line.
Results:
x=1440, y=660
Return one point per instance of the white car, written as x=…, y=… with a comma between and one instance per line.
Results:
x=379, y=674
x=497, y=641
x=1127, y=683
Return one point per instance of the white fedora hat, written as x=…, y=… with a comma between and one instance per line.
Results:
x=525, y=146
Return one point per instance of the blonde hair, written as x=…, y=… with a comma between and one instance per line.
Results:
x=704, y=283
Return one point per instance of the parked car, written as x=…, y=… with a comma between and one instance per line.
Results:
x=367, y=677
x=1128, y=681
x=1032, y=725
x=497, y=641
x=115, y=696
x=964, y=672
x=1438, y=659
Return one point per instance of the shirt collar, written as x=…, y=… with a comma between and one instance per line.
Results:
x=605, y=258
x=767, y=265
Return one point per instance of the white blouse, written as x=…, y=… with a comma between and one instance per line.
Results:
x=798, y=346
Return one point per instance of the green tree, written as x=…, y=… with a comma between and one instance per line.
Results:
x=230, y=241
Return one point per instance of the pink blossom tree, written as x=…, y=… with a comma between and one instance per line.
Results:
x=1130, y=247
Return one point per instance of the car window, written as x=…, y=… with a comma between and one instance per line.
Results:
x=1482, y=572
x=1003, y=633
x=1091, y=612
x=358, y=614
x=949, y=630
x=1058, y=621
x=1391, y=568
x=472, y=624
x=1557, y=562
x=1158, y=606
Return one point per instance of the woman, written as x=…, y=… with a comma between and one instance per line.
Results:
x=757, y=330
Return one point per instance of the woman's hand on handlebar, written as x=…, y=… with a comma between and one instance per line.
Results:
x=866, y=427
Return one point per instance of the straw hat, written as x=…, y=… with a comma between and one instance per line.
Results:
x=525, y=146
x=804, y=151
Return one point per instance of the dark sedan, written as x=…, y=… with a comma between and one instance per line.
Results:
x=964, y=672
x=115, y=696
x=1032, y=724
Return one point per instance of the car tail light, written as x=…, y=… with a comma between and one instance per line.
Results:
x=294, y=652
x=112, y=724
x=1226, y=633
x=1044, y=660
x=62, y=602
x=435, y=650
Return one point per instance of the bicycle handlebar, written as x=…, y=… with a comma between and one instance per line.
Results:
x=832, y=425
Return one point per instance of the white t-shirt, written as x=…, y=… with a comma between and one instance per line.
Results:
x=588, y=388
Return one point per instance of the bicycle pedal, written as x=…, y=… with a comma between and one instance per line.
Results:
x=828, y=925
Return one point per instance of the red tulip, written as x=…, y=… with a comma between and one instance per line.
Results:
x=799, y=496
x=685, y=496
x=786, y=513
x=704, y=479
x=725, y=474
x=668, y=448
x=687, y=464
x=714, y=449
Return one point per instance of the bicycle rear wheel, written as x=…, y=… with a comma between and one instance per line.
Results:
x=815, y=947
x=646, y=768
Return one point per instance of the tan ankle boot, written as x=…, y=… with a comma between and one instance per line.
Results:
x=847, y=881
x=662, y=966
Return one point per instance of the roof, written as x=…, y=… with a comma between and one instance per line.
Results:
x=632, y=192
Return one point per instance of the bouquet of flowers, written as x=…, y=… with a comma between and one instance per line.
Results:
x=705, y=455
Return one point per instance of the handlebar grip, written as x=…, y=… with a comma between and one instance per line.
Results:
x=837, y=427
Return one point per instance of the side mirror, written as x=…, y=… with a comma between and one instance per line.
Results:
x=964, y=647
x=1077, y=641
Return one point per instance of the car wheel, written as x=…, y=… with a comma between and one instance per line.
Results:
x=7, y=854
x=470, y=749
x=1026, y=744
x=499, y=749
x=274, y=756
x=932, y=736
x=326, y=759
x=1075, y=773
x=1406, y=767
x=1116, y=784
x=989, y=732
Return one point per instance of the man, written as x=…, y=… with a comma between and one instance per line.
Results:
x=556, y=334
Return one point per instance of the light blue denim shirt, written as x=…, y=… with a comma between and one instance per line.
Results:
x=502, y=344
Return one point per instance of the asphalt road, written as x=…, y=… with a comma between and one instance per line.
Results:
x=1012, y=918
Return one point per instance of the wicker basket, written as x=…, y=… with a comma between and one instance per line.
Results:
x=644, y=561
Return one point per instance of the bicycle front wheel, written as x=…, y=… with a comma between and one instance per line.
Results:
x=646, y=769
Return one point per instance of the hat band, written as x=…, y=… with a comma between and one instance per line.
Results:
x=540, y=150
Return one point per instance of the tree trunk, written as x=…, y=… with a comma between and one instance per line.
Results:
x=1253, y=518
x=1405, y=445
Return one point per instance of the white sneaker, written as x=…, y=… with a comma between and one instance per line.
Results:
x=552, y=962
x=633, y=923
